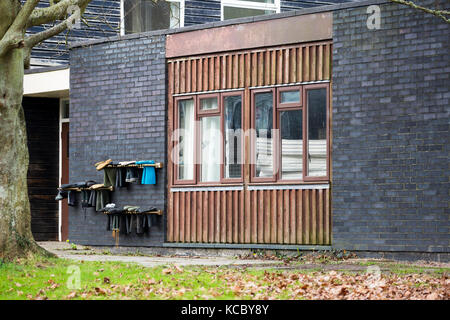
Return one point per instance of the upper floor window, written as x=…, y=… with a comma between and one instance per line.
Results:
x=148, y=15
x=232, y=9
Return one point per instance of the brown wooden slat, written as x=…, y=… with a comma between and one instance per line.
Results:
x=320, y=239
x=260, y=68
x=229, y=71
x=199, y=216
x=235, y=71
x=223, y=218
x=248, y=69
x=273, y=216
x=286, y=219
x=176, y=217
x=217, y=73
x=170, y=218
x=188, y=76
x=280, y=216
x=300, y=213
x=194, y=75
x=305, y=64
x=273, y=67
x=224, y=72
x=217, y=216
x=235, y=216
x=211, y=217
x=254, y=69
x=254, y=219
x=306, y=219
x=293, y=64
x=320, y=62
x=229, y=213
x=247, y=216
x=312, y=68
x=267, y=218
x=176, y=85
x=183, y=76
x=326, y=69
x=260, y=213
x=267, y=69
x=205, y=75
x=194, y=218
x=313, y=217
x=182, y=215
x=241, y=71
x=279, y=66
x=327, y=217
x=241, y=217
x=286, y=66
x=292, y=215
x=200, y=75
x=205, y=216
x=299, y=64
x=211, y=76
x=188, y=216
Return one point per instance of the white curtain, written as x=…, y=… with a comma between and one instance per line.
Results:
x=210, y=148
x=187, y=144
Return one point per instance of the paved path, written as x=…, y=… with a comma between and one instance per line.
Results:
x=63, y=250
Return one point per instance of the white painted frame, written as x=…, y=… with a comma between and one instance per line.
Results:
x=61, y=121
x=122, y=14
x=247, y=4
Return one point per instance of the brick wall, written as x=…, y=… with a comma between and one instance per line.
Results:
x=391, y=100
x=117, y=101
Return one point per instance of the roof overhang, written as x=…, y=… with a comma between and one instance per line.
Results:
x=47, y=82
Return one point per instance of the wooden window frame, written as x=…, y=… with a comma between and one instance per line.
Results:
x=279, y=107
x=176, y=180
x=198, y=115
x=222, y=129
x=253, y=178
x=306, y=177
x=289, y=107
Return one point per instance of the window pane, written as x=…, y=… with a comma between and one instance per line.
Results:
x=260, y=1
x=208, y=103
x=317, y=132
x=232, y=148
x=175, y=15
x=233, y=12
x=291, y=144
x=148, y=15
x=210, y=166
x=290, y=96
x=186, y=140
x=264, y=140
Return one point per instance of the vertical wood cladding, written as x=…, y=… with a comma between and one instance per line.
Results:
x=264, y=67
x=290, y=216
x=42, y=119
x=297, y=215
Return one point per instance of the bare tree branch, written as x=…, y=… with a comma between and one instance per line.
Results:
x=57, y=11
x=13, y=38
x=443, y=14
x=36, y=38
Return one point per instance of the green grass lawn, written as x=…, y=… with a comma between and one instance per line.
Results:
x=54, y=278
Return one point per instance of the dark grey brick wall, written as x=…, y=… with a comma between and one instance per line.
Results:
x=117, y=101
x=391, y=100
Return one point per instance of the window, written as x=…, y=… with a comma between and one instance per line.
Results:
x=148, y=15
x=232, y=9
x=290, y=138
x=208, y=128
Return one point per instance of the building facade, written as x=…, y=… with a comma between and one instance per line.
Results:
x=47, y=84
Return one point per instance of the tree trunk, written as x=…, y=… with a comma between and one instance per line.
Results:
x=16, y=239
